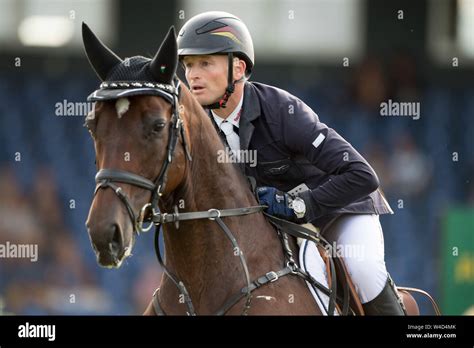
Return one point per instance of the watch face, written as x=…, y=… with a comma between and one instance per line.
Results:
x=298, y=206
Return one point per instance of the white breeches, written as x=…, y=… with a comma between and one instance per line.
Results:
x=359, y=239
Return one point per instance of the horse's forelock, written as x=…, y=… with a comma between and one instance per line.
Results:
x=122, y=105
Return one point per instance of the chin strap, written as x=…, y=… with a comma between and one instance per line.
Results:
x=222, y=102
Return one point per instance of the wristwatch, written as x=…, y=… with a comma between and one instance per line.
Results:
x=299, y=207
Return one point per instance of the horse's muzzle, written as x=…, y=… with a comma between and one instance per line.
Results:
x=107, y=242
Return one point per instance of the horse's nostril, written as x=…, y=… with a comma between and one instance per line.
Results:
x=116, y=244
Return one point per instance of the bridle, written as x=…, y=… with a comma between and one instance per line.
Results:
x=107, y=178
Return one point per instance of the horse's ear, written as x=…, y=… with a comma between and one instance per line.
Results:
x=164, y=64
x=100, y=56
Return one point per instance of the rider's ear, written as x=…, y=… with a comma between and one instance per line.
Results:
x=239, y=68
x=164, y=64
x=102, y=58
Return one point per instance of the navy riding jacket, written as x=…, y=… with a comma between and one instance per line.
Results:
x=294, y=147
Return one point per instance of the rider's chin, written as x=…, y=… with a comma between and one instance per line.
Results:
x=202, y=98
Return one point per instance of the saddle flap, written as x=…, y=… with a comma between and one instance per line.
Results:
x=343, y=278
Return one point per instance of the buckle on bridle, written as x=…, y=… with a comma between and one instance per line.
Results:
x=272, y=276
x=158, y=190
x=292, y=266
x=214, y=210
x=141, y=218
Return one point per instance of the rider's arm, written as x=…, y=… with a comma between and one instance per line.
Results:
x=352, y=178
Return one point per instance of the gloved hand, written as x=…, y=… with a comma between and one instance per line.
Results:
x=277, y=202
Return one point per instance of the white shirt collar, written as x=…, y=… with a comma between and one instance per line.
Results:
x=233, y=118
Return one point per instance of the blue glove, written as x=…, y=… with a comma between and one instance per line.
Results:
x=277, y=202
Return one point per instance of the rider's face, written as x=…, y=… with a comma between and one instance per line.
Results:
x=206, y=76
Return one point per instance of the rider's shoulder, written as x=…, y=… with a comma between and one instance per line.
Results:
x=275, y=99
x=271, y=93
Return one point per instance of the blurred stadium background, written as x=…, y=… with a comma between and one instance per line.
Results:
x=343, y=58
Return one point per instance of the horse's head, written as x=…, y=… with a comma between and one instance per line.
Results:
x=137, y=131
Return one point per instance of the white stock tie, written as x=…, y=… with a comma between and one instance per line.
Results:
x=232, y=137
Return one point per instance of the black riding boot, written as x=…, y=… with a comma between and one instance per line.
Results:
x=386, y=303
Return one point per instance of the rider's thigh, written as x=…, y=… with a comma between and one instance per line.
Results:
x=359, y=239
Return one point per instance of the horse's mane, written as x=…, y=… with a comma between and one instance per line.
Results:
x=197, y=119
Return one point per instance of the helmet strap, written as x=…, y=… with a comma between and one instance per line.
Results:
x=222, y=102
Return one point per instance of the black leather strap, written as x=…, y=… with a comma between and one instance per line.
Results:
x=302, y=232
x=121, y=196
x=156, y=303
x=125, y=177
x=230, y=236
x=163, y=218
x=294, y=230
x=259, y=282
x=179, y=284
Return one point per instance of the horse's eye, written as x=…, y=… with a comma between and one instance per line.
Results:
x=158, y=126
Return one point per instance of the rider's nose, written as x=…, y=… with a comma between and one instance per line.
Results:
x=192, y=76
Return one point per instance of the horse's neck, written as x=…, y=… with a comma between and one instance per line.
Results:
x=198, y=252
x=207, y=184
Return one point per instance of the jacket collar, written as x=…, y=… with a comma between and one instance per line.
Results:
x=250, y=111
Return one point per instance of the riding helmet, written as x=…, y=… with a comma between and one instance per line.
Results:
x=216, y=32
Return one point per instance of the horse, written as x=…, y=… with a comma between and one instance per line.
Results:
x=157, y=151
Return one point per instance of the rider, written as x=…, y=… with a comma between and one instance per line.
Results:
x=340, y=189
